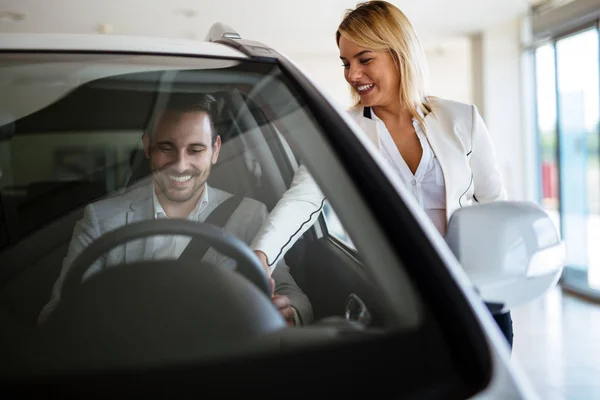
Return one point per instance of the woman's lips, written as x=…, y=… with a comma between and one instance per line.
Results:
x=364, y=89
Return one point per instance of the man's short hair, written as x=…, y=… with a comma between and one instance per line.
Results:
x=182, y=103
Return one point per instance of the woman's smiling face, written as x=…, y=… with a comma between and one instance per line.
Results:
x=373, y=75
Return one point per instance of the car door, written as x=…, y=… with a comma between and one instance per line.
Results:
x=336, y=280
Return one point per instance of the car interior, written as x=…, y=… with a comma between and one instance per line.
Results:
x=86, y=146
x=38, y=218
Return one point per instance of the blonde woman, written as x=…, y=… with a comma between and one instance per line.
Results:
x=440, y=148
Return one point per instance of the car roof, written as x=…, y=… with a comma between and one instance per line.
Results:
x=114, y=43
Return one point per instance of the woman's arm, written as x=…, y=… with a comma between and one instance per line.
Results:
x=487, y=179
x=293, y=215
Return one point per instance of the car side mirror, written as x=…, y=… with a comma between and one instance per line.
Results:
x=511, y=251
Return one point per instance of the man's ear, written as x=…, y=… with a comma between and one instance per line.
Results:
x=216, y=149
x=146, y=143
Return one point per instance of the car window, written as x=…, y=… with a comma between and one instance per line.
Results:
x=335, y=227
x=61, y=172
x=92, y=144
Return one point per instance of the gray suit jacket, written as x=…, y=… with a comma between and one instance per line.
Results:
x=137, y=205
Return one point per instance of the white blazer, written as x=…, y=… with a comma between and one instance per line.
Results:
x=460, y=141
x=463, y=147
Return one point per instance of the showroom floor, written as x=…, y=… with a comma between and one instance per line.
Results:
x=557, y=342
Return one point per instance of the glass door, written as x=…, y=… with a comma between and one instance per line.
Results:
x=545, y=73
x=568, y=104
x=578, y=104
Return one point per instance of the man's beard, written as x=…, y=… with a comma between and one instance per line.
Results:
x=167, y=188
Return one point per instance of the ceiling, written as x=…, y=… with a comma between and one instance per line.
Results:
x=290, y=26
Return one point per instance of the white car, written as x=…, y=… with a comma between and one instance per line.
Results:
x=391, y=308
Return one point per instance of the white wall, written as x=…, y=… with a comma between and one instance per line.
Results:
x=503, y=109
x=327, y=71
x=450, y=68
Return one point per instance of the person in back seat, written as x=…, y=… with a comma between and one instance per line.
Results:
x=181, y=145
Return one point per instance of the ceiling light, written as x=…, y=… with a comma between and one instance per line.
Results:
x=105, y=28
x=188, y=13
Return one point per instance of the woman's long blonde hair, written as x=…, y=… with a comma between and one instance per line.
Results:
x=380, y=26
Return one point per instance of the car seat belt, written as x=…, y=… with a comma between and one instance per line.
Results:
x=197, y=247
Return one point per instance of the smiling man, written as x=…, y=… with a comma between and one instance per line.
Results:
x=181, y=145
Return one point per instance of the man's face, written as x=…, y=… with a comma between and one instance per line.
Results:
x=181, y=154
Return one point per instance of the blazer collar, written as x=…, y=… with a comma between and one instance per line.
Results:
x=368, y=113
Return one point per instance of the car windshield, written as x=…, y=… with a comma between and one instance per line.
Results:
x=103, y=155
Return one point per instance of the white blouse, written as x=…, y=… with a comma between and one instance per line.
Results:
x=427, y=183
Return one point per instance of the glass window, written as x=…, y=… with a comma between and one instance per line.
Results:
x=108, y=141
x=578, y=105
x=334, y=226
x=546, y=125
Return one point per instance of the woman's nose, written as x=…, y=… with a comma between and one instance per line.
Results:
x=354, y=74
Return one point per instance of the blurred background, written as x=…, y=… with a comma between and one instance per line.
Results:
x=532, y=69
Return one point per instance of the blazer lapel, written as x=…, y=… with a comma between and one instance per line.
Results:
x=449, y=151
x=447, y=147
x=140, y=210
x=369, y=126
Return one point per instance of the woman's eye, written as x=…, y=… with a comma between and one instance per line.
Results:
x=365, y=61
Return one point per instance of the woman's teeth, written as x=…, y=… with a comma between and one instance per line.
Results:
x=364, y=88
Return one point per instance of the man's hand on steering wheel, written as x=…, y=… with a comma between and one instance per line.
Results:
x=285, y=309
x=281, y=302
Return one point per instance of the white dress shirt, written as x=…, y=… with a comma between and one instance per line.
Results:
x=427, y=183
x=171, y=246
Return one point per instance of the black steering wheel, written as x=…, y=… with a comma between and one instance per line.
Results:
x=247, y=263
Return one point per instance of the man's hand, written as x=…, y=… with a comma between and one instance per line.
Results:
x=281, y=302
x=285, y=309
x=263, y=259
